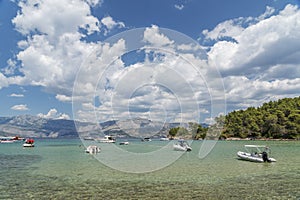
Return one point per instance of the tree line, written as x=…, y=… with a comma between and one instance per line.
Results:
x=275, y=119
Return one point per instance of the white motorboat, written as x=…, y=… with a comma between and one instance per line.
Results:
x=256, y=153
x=106, y=139
x=29, y=143
x=124, y=143
x=92, y=149
x=182, y=145
x=164, y=139
x=6, y=141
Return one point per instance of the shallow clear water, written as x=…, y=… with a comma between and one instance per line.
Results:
x=60, y=169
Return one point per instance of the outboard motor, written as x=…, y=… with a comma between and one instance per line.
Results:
x=265, y=157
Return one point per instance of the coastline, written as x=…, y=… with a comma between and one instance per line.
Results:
x=258, y=139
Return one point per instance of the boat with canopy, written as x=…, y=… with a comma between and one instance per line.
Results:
x=256, y=153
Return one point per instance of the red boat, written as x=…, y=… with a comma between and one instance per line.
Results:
x=29, y=143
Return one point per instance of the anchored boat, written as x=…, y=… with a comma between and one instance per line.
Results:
x=256, y=153
x=29, y=143
x=182, y=145
x=106, y=139
x=92, y=149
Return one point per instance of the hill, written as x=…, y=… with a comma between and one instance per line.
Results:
x=275, y=119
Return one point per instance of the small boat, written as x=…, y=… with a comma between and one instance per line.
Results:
x=256, y=153
x=10, y=139
x=6, y=141
x=106, y=139
x=146, y=139
x=29, y=143
x=124, y=143
x=182, y=145
x=88, y=138
x=164, y=139
x=92, y=149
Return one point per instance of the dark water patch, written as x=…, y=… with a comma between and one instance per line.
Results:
x=17, y=162
x=269, y=186
x=61, y=145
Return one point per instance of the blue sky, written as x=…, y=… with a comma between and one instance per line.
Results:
x=250, y=54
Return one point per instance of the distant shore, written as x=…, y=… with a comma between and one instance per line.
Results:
x=258, y=139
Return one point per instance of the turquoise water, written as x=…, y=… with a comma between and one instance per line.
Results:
x=60, y=169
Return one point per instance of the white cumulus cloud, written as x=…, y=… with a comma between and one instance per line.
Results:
x=110, y=24
x=54, y=114
x=168, y=84
x=261, y=59
x=20, y=107
x=155, y=38
x=16, y=95
x=54, y=47
x=55, y=44
x=179, y=6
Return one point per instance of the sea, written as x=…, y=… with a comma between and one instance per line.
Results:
x=61, y=169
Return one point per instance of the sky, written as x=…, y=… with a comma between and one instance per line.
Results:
x=171, y=60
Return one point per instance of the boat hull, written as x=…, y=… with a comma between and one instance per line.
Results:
x=124, y=143
x=106, y=141
x=253, y=158
x=178, y=147
x=7, y=141
x=28, y=145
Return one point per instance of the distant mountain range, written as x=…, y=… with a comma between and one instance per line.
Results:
x=33, y=126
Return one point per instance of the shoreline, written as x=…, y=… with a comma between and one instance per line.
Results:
x=259, y=139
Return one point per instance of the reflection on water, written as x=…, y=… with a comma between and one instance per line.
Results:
x=66, y=172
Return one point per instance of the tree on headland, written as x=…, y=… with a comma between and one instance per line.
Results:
x=195, y=131
x=201, y=132
x=178, y=132
x=275, y=119
x=173, y=132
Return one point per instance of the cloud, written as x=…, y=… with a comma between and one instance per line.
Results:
x=259, y=46
x=54, y=46
x=3, y=81
x=54, y=18
x=110, y=24
x=179, y=7
x=54, y=53
x=167, y=84
x=232, y=28
x=94, y=3
x=269, y=12
x=11, y=67
x=16, y=95
x=155, y=38
x=53, y=114
x=20, y=107
x=63, y=98
x=258, y=58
